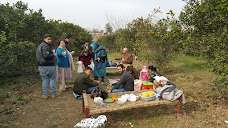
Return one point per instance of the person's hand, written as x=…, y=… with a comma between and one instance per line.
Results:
x=98, y=81
x=98, y=59
x=109, y=88
x=72, y=52
x=55, y=54
x=64, y=53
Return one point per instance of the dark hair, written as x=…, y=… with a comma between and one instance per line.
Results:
x=88, y=68
x=47, y=35
x=121, y=65
x=152, y=68
x=68, y=36
x=129, y=68
x=59, y=42
x=85, y=51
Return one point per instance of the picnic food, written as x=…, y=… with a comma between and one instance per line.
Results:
x=114, y=98
x=150, y=93
x=145, y=94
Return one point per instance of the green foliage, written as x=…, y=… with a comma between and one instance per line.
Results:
x=17, y=59
x=108, y=28
x=156, y=43
x=22, y=30
x=201, y=31
x=206, y=25
x=23, y=24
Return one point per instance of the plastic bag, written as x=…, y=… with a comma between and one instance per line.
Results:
x=92, y=123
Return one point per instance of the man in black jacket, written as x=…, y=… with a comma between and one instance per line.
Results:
x=46, y=62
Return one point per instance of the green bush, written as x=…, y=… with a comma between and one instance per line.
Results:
x=17, y=58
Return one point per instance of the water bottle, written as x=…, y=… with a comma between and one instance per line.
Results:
x=100, y=102
x=144, y=74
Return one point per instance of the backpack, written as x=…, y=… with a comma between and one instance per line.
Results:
x=99, y=92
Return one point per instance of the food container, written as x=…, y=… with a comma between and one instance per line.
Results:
x=120, y=101
x=148, y=97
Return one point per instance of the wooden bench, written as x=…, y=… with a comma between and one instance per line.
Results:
x=91, y=108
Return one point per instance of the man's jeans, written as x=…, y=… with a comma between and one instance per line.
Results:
x=120, y=89
x=48, y=75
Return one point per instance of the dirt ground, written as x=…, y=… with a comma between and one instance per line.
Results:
x=200, y=111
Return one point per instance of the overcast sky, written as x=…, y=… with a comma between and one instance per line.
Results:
x=93, y=13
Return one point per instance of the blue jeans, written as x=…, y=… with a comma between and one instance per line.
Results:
x=48, y=75
x=89, y=90
x=120, y=89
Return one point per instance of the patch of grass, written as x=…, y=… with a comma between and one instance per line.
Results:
x=112, y=56
x=190, y=62
x=28, y=79
x=7, y=110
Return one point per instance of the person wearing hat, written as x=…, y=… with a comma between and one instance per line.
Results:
x=99, y=59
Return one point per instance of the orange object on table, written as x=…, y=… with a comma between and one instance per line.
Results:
x=146, y=87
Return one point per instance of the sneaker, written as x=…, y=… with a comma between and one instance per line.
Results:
x=45, y=97
x=102, y=82
x=77, y=96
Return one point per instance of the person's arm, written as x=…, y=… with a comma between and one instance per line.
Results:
x=135, y=73
x=47, y=53
x=130, y=59
x=122, y=80
x=59, y=52
x=102, y=55
x=90, y=82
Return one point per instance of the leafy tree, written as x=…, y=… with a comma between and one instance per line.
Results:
x=108, y=28
x=22, y=29
x=206, y=23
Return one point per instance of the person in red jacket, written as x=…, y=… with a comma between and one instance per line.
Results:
x=86, y=57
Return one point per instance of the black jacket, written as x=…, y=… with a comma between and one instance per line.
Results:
x=83, y=82
x=44, y=55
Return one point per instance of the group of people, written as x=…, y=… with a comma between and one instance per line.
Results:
x=124, y=68
x=61, y=71
x=49, y=70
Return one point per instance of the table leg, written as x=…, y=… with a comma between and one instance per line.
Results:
x=179, y=106
x=87, y=112
x=83, y=105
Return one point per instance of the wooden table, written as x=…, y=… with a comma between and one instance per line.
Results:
x=91, y=108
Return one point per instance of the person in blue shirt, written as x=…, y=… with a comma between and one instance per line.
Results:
x=63, y=65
